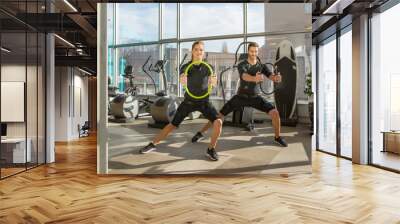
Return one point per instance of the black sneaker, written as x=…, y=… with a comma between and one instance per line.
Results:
x=280, y=141
x=212, y=154
x=148, y=148
x=197, y=137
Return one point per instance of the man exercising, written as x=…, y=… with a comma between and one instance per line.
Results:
x=197, y=80
x=251, y=73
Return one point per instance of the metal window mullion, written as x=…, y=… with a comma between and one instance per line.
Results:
x=178, y=60
x=37, y=91
x=114, y=8
x=26, y=88
x=116, y=62
x=178, y=37
x=160, y=20
x=338, y=95
x=277, y=33
x=245, y=20
x=160, y=45
x=369, y=96
x=45, y=89
x=160, y=75
x=317, y=97
x=206, y=38
x=115, y=34
x=114, y=53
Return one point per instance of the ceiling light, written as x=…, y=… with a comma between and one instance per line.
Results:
x=65, y=41
x=5, y=50
x=86, y=72
x=337, y=7
x=70, y=5
x=331, y=7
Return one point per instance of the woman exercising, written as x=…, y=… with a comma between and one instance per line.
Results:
x=196, y=76
x=251, y=73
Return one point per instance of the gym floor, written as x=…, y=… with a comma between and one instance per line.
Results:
x=240, y=151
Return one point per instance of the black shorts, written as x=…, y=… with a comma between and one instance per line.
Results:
x=187, y=107
x=239, y=101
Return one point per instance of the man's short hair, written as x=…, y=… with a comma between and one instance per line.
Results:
x=252, y=44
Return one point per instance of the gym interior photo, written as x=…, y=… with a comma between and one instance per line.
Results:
x=144, y=90
x=126, y=111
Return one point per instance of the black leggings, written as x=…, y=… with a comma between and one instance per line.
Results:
x=187, y=107
x=238, y=101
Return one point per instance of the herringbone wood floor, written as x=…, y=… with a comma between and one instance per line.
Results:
x=69, y=191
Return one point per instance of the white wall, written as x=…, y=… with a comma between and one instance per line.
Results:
x=12, y=101
x=71, y=87
x=13, y=73
x=33, y=126
x=61, y=103
x=79, y=117
x=17, y=73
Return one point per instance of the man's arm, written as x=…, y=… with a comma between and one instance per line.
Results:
x=275, y=77
x=249, y=78
x=265, y=70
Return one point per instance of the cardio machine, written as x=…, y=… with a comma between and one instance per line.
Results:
x=124, y=107
x=163, y=109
